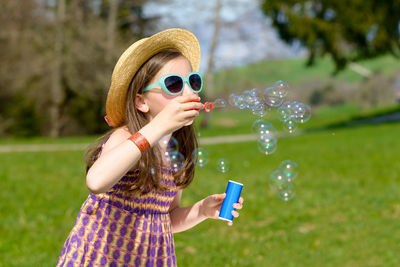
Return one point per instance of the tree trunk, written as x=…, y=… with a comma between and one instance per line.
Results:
x=209, y=92
x=111, y=26
x=57, y=94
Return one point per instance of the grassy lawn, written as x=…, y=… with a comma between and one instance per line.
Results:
x=345, y=212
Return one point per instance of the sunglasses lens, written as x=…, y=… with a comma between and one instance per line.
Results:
x=195, y=82
x=174, y=84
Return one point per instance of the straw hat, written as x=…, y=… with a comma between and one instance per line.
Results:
x=134, y=57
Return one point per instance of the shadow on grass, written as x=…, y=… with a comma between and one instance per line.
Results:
x=391, y=115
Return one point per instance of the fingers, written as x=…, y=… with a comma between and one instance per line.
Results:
x=235, y=213
x=238, y=205
x=219, y=197
x=192, y=105
x=187, y=98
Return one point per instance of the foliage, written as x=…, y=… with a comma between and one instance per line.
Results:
x=346, y=30
x=28, y=56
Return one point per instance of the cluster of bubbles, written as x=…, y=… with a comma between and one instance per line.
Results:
x=293, y=112
x=258, y=102
x=173, y=158
x=200, y=156
x=281, y=180
x=266, y=136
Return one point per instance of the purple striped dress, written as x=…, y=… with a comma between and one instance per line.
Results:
x=114, y=229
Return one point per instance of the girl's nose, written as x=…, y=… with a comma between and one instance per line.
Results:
x=187, y=90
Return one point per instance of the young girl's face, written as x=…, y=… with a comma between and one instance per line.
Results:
x=156, y=99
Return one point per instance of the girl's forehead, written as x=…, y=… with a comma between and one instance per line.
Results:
x=177, y=65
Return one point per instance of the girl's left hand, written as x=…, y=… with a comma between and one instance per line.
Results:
x=212, y=205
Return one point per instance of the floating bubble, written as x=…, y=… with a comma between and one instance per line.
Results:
x=288, y=169
x=277, y=180
x=255, y=92
x=200, y=156
x=260, y=123
x=290, y=125
x=272, y=97
x=284, y=113
x=282, y=87
x=266, y=148
x=176, y=160
x=233, y=99
x=153, y=171
x=169, y=143
x=302, y=112
x=219, y=103
x=286, y=192
x=251, y=101
x=241, y=102
x=223, y=165
x=266, y=138
x=266, y=129
x=260, y=109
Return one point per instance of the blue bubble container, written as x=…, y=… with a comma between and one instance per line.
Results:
x=233, y=191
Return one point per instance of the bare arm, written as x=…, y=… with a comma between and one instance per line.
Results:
x=119, y=155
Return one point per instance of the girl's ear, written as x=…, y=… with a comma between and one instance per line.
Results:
x=140, y=103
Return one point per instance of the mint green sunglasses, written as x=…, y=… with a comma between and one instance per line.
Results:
x=173, y=84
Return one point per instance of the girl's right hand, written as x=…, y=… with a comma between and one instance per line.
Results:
x=179, y=112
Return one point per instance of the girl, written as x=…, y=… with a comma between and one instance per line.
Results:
x=133, y=207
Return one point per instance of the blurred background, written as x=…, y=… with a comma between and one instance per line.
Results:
x=339, y=57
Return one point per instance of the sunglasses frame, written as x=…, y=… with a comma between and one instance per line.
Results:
x=161, y=83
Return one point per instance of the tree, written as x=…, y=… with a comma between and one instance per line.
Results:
x=347, y=30
x=210, y=64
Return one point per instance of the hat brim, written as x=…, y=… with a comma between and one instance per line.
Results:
x=136, y=55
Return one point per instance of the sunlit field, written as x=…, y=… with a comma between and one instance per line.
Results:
x=345, y=211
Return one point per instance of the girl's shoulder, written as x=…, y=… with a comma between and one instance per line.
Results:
x=120, y=135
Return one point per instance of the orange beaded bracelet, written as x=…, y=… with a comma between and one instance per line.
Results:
x=140, y=141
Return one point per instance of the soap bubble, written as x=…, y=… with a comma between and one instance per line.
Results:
x=268, y=129
x=282, y=87
x=241, y=102
x=256, y=125
x=286, y=192
x=284, y=113
x=255, y=92
x=260, y=109
x=302, y=112
x=272, y=97
x=267, y=138
x=176, y=160
x=233, y=99
x=219, y=103
x=168, y=143
x=277, y=180
x=290, y=125
x=266, y=147
x=260, y=126
x=223, y=165
x=200, y=156
x=288, y=169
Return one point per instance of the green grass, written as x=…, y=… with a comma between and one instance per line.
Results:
x=345, y=212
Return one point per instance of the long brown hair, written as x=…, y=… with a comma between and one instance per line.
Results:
x=150, y=164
